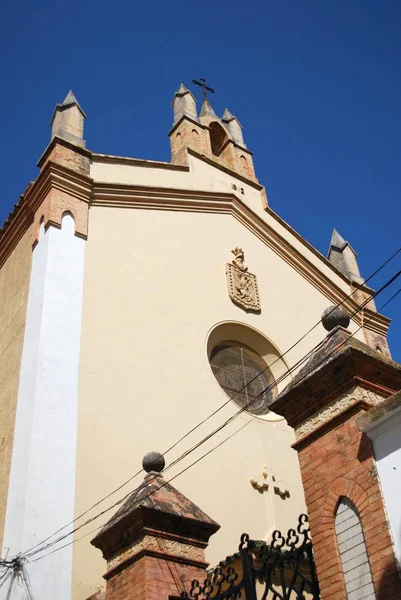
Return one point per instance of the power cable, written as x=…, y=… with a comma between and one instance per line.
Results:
x=203, y=456
x=213, y=433
x=358, y=309
x=157, y=489
x=33, y=551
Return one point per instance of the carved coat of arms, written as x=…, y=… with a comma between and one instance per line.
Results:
x=242, y=285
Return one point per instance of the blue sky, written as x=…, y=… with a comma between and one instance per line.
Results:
x=316, y=86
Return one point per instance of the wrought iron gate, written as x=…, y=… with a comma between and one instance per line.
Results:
x=282, y=570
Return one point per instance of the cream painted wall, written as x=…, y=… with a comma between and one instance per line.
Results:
x=154, y=288
x=203, y=176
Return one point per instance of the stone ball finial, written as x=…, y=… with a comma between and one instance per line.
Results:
x=335, y=316
x=153, y=461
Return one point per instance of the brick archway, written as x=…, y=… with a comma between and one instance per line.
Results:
x=344, y=487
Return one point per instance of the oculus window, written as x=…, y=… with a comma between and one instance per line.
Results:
x=244, y=376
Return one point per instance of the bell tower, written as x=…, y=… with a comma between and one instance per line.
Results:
x=218, y=139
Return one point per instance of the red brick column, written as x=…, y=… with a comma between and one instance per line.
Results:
x=339, y=463
x=155, y=544
x=152, y=577
x=343, y=380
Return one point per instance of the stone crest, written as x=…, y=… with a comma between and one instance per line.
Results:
x=242, y=285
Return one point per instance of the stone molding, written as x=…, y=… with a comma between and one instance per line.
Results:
x=147, y=198
x=335, y=407
x=158, y=544
x=56, y=190
x=81, y=188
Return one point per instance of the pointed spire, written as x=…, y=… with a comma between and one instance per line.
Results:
x=68, y=120
x=207, y=110
x=182, y=91
x=227, y=116
x=234, y=127
x=184, y=103
x=343, y=256
x=70, y=98
x=337, y=241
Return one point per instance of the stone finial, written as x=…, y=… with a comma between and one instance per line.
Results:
x=344, y=257
x=184, y=104
x=67, y=121
x=335, y=316
x=153, y=461
x=234, y=127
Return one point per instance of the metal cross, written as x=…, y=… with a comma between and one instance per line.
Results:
x=202, y=84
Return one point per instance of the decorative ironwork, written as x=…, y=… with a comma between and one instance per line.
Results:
x=282, y=570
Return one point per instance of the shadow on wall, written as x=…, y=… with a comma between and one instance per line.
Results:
x=390, y=583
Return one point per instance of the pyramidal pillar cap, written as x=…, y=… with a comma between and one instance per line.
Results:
x=157, y=505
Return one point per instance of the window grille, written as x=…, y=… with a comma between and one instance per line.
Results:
x=244, y=376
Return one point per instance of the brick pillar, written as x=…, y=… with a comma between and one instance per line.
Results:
x=343, y=379
x=155, y=544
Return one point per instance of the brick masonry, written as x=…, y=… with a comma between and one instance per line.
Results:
x=196, y=136
x=342, y=380
x=337, y=464
x=152, y=578
x=155, y=543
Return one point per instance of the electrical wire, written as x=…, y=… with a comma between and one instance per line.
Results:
x=164, y=483
x=30, y=554
x=296, y=366
x=33, y=551
x=196, y=461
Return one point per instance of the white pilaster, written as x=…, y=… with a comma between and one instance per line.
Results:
x=385, y=434
x=42, y=480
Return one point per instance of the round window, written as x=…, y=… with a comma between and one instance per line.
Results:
x=244, y=376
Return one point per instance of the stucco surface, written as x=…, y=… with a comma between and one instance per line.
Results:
x=42, y=479
x=202, y=176
x=154, y=290
x=386, y=438
x=14, y=286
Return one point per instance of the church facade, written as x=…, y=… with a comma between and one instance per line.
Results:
x=144, y=306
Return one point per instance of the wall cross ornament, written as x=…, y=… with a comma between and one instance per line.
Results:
x=267, y=480
x=242, y=285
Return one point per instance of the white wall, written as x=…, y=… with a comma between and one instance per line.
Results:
x=42, y=481
x=386, y=438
